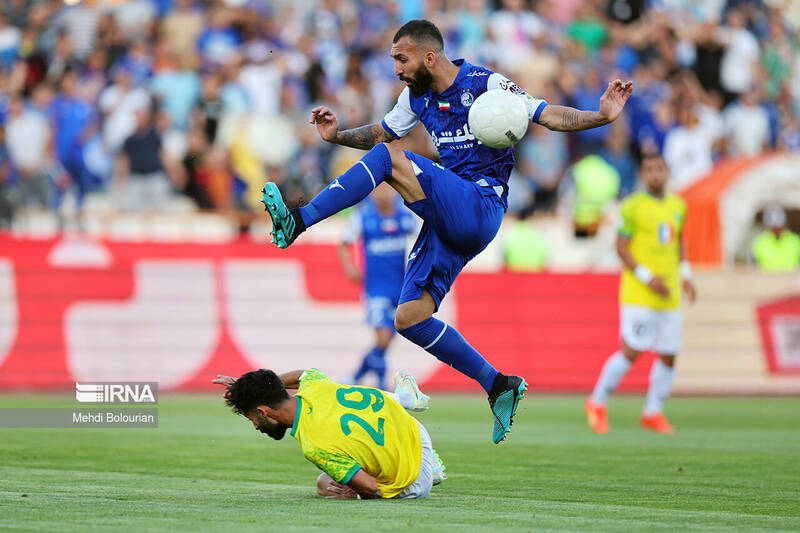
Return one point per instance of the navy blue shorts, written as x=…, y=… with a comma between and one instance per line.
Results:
x=460, y=219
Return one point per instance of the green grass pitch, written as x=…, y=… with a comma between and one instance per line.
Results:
x=734, y=464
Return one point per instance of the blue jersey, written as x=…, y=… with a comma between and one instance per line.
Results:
x=445, y=117
x=384, y=247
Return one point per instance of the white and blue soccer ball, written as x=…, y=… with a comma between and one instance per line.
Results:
x=498, y=118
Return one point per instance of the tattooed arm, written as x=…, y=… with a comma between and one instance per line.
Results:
x=362, y=138
x=562, y=118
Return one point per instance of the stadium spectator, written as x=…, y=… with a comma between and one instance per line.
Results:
x=6, y=195
x=746, y=125
x=543, y=156
x=525, y=248
x=177, y=87
x=206, y=63
x=181, y=28
x=776, y=249
x=688, y=149
x=29, y=144
x=73, y=118
x=119, y=104
x=261, y=78
x=142, y=176
x=594, y=184
x=616, y=152
x=739, y=60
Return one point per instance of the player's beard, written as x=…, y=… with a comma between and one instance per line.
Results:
x=421, y=81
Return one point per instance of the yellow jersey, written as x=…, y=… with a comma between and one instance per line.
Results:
x=342, y=429
x=653, y=226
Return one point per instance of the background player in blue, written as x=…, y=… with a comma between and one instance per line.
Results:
x=382, y=225
x=462, y=201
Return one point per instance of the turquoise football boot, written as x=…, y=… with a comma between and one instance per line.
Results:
x=286, y=224
x=504, y=406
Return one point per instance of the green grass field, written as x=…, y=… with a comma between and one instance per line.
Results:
x=734, y=464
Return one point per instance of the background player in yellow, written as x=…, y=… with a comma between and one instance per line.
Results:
x=655, y=274
x=361, y=438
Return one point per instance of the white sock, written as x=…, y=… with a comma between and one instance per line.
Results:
x=406, y=399
x=661, y=377
x=613, y=371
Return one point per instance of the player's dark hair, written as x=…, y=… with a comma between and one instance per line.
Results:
x=420, y=30
x=651, y=155
x=259, y=387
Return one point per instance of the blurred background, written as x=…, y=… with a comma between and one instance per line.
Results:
x=135, y=137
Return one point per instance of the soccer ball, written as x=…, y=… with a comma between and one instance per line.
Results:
x=498, y=118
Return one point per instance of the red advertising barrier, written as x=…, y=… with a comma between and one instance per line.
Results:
x=77, y=310
x=779, y=324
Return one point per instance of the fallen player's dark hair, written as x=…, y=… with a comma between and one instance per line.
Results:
x=259, y=387
x=421, y=30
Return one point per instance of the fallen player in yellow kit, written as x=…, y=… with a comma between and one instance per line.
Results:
x=362, y=438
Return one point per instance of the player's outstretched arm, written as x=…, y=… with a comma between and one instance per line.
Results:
x=363, y=138
x=563, y=118
x=291, y=380
x=350, y=268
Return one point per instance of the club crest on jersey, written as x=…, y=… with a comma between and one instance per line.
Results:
x=443, y=106
x=390, y=225
x=665, y=233
x=466, y=99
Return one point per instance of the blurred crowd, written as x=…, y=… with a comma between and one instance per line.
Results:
x=151, y=102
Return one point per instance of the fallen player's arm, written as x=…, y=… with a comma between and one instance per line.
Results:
x=364, y=485
x=291, y=380
x=563, y=118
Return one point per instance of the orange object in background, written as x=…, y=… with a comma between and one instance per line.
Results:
x=702, y=231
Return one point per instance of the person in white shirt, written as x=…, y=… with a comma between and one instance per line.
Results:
x=688, y=149
x=28, y=140
x=746, y=126
x=740, y=59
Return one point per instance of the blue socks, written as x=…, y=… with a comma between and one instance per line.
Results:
x=374, y=361
x=450, y=347
x=351, y=187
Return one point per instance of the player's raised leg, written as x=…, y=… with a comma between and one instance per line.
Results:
x=415, y=322
x=662, y=374
x=345, y=191
x=382, y=163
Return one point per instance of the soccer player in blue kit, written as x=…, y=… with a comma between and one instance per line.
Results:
x=461, y=202
x=382, y=224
